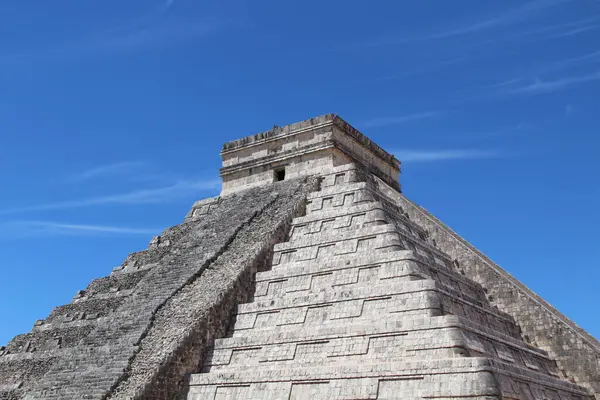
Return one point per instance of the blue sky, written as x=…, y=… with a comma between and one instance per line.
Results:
x=112, y=114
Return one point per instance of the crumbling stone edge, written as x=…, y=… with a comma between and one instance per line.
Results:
x=169, y=377
x=575, y=351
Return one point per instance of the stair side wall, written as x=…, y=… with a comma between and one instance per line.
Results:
x=86, y=348
x=202, y=310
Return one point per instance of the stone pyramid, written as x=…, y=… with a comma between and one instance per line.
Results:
x=310, y=277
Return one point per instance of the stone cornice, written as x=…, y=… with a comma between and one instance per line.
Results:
x=366, y=142
x=371, y=169
x=276, y=157
x=297, y=128
x=278, y=132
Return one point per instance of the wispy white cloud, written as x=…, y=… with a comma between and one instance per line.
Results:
x=508, y=17
x=534, y=85
x=154, y=36
x=148, y=17
x=151, y=29
x=168, y=4
x=47, y=228
x=503, y=132
x=423, y=156
x=120, y=168
x=485, y=135
x=569, y=110
x=503, y=84
x=164, y=194
x=542, y=87
x=564, y=29
x=385, y=121
x=421, y=70
x=575, y=31
x=573, y=62
x=129, y=171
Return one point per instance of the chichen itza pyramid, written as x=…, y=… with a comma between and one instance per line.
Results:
x=311, y=276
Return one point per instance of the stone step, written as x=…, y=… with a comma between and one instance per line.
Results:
x=415, y=297
x=350, y=187
x=340, y=219
x=407, y=368
x=356, y=260
x=334, y=236
x=379, y=210
x=336, y=329
x=444, y=378
x=340, y=175
x=356, y=278
x=379, y=238
x=308, y=245
x=398, y=265
x=327, y=276
x=341, y=294
x=393, y=346
x=349, y=312
x=324, y=326
x=305, y=267
x=373, y=207
x=323, y=224
x=375, y=325
x=339, y=196
x=419, y=336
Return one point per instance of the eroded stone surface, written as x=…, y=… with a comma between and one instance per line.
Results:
x=361, y=304
x=128, y=327
x=330, y=285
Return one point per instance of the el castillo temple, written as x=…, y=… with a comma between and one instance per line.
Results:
x=311, y=276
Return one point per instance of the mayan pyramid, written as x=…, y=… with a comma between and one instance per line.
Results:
x=311, y=276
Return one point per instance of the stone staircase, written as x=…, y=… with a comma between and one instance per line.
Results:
x=359, y=305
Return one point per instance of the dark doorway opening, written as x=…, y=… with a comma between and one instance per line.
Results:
x=279, y=174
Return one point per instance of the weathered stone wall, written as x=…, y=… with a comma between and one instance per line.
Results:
x=137, y=333
x=359, y=305
x=85, y=349
x=201, y=311
x=576, y=352
x=310, y=147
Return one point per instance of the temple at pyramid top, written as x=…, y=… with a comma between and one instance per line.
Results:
x=314, y=146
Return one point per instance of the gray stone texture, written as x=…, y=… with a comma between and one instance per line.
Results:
x=137, y=332
x=360, y=304
x=576, y=352
x=329, y=285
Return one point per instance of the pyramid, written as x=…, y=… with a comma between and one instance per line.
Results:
x=311, y=276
